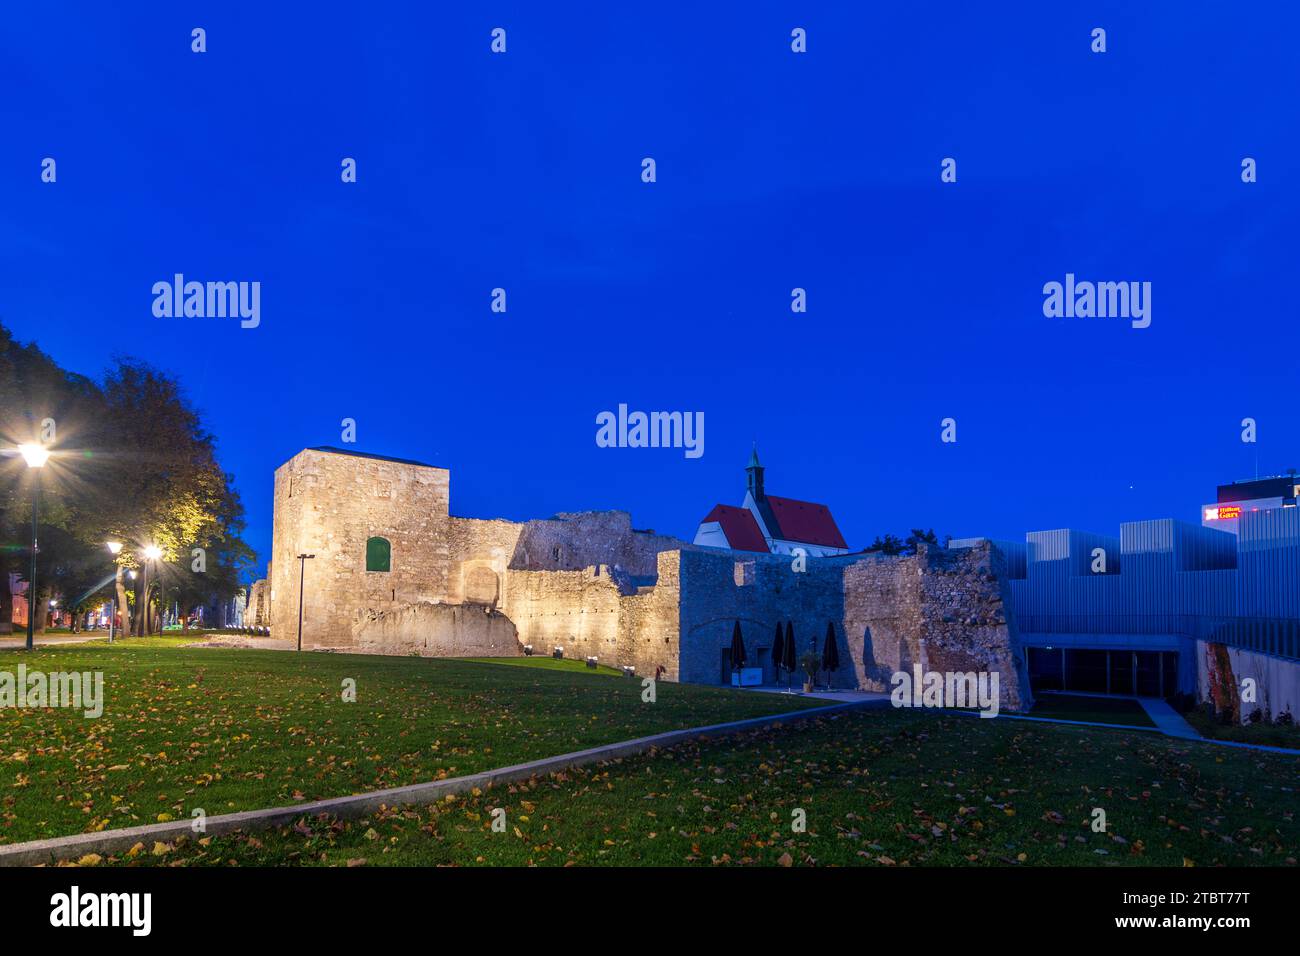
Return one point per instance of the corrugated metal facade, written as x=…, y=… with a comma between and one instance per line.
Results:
x=1269, y=581
x=1163, y=578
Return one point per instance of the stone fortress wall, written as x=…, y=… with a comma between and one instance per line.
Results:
x=592, y=584
x=944, y=610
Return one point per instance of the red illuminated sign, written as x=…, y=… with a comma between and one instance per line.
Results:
x=1223, y=513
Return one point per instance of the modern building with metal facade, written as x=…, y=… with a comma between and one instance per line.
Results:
x=1132, y=614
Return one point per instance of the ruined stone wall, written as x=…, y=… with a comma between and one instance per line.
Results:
x=478, y=553
x=760, y=591
x=941, y=609
x=329, y=504
x=257, y=612
x=600, y=612
x=964, y=620
x=435, y=630
x=588, y=582
x=566, y=542
x=592, y=584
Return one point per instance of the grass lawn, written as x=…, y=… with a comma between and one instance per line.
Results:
x=1101, y=710
x=232, y=729
x=1269, y=735
x=879, y=789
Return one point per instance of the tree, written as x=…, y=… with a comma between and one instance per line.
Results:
x=892, y=545
x=173, y=493
x=37, y=398
x=134, y=464
x=919, y=537
x=887, y=545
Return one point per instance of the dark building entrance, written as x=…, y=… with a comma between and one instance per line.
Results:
x=1085, y=670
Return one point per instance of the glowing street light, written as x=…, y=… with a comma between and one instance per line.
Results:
x=153, y=552
x=35, y=455
x=114, y=547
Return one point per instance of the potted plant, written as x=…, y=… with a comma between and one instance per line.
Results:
x=810, y=662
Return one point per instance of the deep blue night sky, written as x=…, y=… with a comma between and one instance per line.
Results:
x=775, y=170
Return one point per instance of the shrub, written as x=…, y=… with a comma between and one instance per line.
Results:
x=811, y=663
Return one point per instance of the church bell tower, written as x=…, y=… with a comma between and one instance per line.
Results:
x=754, y=476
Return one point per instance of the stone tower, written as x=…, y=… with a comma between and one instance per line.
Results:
x=378, y=530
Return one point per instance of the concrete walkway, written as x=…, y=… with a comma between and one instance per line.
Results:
x=840, y=696
x=1169, y=721
x=17, y=642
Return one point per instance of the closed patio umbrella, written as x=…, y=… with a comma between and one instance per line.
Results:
x=737, y=649
x=778, y=650
x=830, y=653
x=791, y=655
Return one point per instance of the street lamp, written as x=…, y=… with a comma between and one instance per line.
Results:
x=114, y=548
x=36, y=456
x=302, y=573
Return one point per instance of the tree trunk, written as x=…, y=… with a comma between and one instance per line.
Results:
x=6, y=600
x=40, y=608
x=138, y=610
x=120, y=588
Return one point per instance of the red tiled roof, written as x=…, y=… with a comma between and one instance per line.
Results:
x=742, y=531
x=805, y=522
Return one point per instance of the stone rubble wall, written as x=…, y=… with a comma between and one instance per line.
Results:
x=943, y=610
x=257, y=612
x=966, y=623
x=600, y=612
x=479, y=549
x=435, y=630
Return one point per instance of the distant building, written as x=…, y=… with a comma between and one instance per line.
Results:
x=1239, y=497
x=770, y=525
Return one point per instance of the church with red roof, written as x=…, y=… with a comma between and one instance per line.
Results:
x=771, y=525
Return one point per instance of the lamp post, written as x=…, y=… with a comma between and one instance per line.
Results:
x=114, y=548
x=302, y=573
x=36, y=456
